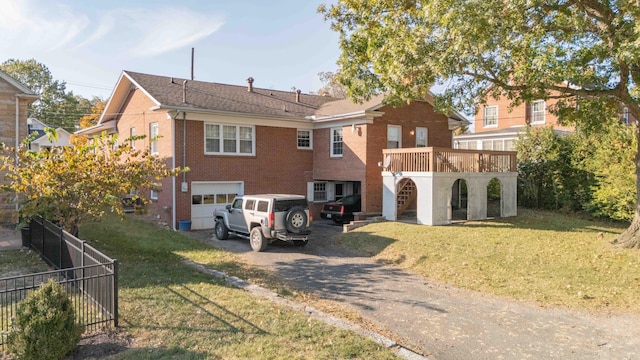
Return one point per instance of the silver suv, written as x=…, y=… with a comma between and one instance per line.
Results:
x=265, y=218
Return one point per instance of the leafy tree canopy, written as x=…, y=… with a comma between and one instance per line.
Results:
x=585, y=53
x=57, y=107
x=522, y=49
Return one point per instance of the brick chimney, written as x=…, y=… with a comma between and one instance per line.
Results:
x=298, y=95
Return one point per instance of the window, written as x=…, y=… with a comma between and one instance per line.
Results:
x=538, y=112
x=132, y=133
x=229, y=139
x=319, y=191
x=336, y=142
x=421, y=136
x=263, y=206
x=491, y=116
x=249, y=204
x=625, y=115
x=153, y=195
x=304, y=139
x=153, y=134
x=394, y=136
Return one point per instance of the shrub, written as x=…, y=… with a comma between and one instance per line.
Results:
x=45, y=325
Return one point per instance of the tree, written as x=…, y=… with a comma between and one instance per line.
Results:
x=70, y=184
x=56, y=107
x=96, y=108
x=330, y=85
x=584, y=53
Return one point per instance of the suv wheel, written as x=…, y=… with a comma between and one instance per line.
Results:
x=222, y=233
x=257, y=239
x=296, y=220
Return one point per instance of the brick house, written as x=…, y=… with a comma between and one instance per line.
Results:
x=15, y=99
x=498, y=125
x=244, y=139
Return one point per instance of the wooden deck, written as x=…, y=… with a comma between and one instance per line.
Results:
x=439, y=159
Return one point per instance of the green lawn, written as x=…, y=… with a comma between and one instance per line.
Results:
x=549, y=258
x=175, y=311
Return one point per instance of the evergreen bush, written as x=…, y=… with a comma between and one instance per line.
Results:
x=45, y=325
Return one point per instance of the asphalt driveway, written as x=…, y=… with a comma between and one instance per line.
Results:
x=434, y=319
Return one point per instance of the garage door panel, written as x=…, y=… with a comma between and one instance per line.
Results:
x=206, y=197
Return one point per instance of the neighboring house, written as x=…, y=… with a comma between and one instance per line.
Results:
x=248, y=140
x=498, y=125
x=15, y=99
x=42, y=140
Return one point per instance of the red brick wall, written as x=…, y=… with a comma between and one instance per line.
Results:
x=363, y=148
x=278, y=166
x=136, y=113
x=514, y=117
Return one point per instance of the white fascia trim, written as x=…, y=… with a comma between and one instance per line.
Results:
x=486, y=136
x=351, y=115
x=239, y=118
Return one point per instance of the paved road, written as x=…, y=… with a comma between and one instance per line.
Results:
x=436, y=320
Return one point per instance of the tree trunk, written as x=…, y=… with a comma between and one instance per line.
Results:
x=630, y=238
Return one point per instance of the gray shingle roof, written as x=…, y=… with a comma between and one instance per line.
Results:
x=227, y=98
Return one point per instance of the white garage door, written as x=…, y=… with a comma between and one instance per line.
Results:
x=207, y=196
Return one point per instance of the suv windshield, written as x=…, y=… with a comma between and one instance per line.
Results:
x=284, y=205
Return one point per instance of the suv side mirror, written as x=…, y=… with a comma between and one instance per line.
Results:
x=228, y=207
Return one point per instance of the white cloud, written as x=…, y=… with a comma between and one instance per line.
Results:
x=38, y=26
x=27, y=24
x=167, y=29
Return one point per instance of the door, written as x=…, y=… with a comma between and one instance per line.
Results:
x=236, y=216
x=208, y=196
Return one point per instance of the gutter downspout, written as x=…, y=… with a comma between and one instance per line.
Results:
x=17, y=138
x=184, y=145
x=17, y=124
x=173, y=178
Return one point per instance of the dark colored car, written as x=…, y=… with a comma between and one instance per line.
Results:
x=342, y=210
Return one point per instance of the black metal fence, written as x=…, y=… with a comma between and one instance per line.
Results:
x=89, y=277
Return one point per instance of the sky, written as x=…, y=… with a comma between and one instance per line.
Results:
x=87, y=44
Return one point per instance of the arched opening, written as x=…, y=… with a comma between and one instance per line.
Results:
x=406, y=200
x=459, y=200
x=494, y=198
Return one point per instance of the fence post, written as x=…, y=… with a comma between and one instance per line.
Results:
x=60, y=235
x=115, y=292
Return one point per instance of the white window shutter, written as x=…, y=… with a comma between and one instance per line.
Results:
x=310, y=191
x=331, y=190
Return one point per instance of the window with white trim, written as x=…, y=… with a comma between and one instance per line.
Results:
x=153, y=135
x=336, y=142
x=132, y=133
x=222, y=139
x=153, y=195
x=625, y=115
x=319, y=191
x=421, y=136
x=304, y=139
x=491, y=116
x=538, y=112
x=394, y=137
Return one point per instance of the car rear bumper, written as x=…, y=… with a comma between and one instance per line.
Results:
x=332, y=216
x=287, y=236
